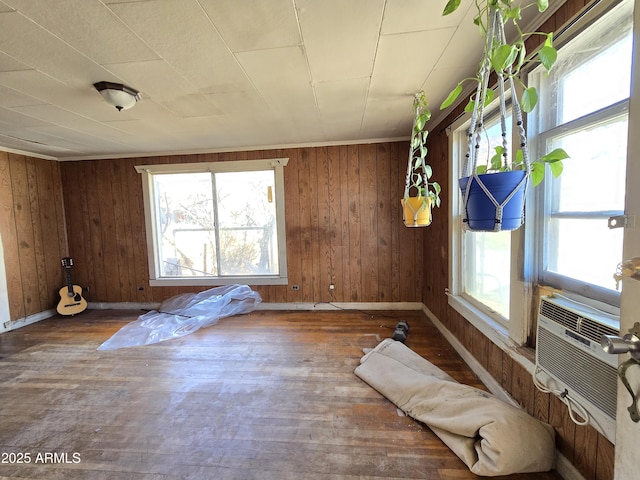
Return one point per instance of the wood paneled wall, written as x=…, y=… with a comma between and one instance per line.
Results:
x=33, y=232
x=343, y=226
x=590, y=452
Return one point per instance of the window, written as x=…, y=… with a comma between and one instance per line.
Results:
x=584, y=109
x=566, y=242
x=215, y=223
x=486, y=255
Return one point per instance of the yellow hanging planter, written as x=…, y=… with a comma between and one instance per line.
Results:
x=420, y=195
x=416, y=211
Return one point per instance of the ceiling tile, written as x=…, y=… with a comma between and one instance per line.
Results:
x=8, y=63
x=438, y=86
x=342, y=101
x=239, y=103
x=65, y=119
x=85, y=101
x=38, y=48
x=34, y=147
x=200, y=55
x=72, y=139
x=402, y=16
x=12, y=98
x=386, y=115
x=289, y=92
x=254, y=25
x=468, y=41
x=89, y=27
x=13, y=119
x=193, y=105
x=340, y=46
x=404, y=61
x=343, y=130
x=155, y=79
x=110, y=2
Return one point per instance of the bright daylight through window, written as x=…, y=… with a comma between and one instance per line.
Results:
x=487, y=255
x=216, y=223
x=584, y=110
x=566, y=242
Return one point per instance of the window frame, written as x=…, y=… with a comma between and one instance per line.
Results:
x=544, y=201
x=509, y=332
x=526, y=252
x=540, y=200
x=147, y=172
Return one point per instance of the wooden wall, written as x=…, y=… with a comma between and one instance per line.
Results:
x=33, y=233
x=590, y=452
x=343, y=226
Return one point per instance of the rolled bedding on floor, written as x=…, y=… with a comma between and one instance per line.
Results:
x=490, y=436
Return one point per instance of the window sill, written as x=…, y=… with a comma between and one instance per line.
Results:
x=217, y=281
x=489, y=327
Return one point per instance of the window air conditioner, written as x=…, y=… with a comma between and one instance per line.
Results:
x=569, y=352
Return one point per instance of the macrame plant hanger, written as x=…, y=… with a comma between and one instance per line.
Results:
x=495, y=34
x=416, y=169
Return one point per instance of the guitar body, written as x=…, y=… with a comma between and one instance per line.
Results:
x=71, y=304
x=71, y=300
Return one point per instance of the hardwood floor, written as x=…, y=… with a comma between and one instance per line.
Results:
x=269, y=395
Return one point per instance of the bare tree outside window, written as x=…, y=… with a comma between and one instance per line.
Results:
x=216, y=224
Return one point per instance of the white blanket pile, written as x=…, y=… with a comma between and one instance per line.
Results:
x=490, y=436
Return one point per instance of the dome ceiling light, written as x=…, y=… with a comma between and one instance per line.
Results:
x=118, y=95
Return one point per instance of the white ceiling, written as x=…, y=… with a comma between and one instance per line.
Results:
x=223, y=74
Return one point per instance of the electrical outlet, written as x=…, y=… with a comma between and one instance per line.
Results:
x=295, y=287
x=332, y=287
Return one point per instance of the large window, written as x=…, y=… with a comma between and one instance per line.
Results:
x=584, y=110
x=215, y=223
x=566, y=242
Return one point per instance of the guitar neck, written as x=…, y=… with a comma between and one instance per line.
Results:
x=69, y=280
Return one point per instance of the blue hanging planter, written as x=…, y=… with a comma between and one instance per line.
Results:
x=505, y=211
x=493, y=202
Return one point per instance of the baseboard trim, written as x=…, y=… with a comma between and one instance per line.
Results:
x=23, y=322
x=341, y=306
x=485, y=377
x=309, y=306
x=123, y=306
x=566, y=469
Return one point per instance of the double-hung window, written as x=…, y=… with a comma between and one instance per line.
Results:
x=486, y=256
x=584, y=110
x=215, y=223
x=482, y=266
x=566, y=242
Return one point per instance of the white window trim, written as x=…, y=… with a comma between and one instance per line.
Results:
x=588, y=293
x=523, y=268
x=277, y=164
x=515, y=332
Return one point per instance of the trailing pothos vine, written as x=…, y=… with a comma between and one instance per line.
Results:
x=507, y=60
x=419, y=172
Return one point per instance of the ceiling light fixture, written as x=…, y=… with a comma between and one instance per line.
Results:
x=118, y=95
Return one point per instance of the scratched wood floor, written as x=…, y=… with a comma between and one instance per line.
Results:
x=269, y=395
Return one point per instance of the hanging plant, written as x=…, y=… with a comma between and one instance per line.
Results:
x=420, y=195
x=501, y=207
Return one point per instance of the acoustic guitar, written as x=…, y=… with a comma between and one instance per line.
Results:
x=71, y=299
